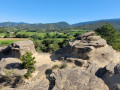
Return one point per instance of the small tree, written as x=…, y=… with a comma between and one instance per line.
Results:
x=7, y=35
x=63, y=43
x=53, y=47
x=28, y=63
x=110, y=34
x=70, y=37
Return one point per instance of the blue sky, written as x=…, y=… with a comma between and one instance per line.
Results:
x=50, y=11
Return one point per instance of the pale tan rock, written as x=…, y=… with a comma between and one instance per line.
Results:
x=21, y=47
x=92, y=48
x=75, y=79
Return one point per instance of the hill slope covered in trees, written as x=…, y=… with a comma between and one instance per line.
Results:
x=39, y=26
x=92, y=25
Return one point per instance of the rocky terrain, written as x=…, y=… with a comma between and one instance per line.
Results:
x=86, y=63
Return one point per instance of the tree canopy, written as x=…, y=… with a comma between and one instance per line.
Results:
x=110, y=34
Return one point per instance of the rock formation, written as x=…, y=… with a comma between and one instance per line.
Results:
x=91, y=65
x=19, y=48
x=76, y=79
x=90, y=47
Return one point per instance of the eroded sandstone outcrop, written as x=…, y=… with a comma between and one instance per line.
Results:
x=19, y=48
x=112, y=76
x=90, y=47
x=76, y=79
x=89, y=50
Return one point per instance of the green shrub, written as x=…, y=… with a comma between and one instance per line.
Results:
x=63, y=43
x=8, y=74
x=36, y=37
x=55, y=67
x=70, y=37
x=110, y=34
x=22, y=36
x=7, y=36
x=28, y=63
x=53, y=47
x=29, y=72
x=63, y=65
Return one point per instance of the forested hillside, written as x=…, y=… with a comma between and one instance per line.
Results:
x=39, y=26
x=92, y=25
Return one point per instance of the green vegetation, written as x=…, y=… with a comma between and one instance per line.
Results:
x=110, y=34
x=7, y=35
x=63, y=65
x=6, y=43
x=8, y=74
x=2, y=34
x=28, y=63
x=52, y=41
x=32, y=27
x=55, y=67
x=44, y=40
x=92, y=25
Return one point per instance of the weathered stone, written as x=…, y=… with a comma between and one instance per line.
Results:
x=18, y=48
x=12, y=65
x=76, y=79
x=92, y=48
x=21, y=47
x=111, y=67
x=84, y=36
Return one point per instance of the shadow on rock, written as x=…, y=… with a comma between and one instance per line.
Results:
x=14, y=66
x=50, y=78
x=78, y=63
x=100, y=72
x=55, y=56
x=13, y=82
x=111, y=76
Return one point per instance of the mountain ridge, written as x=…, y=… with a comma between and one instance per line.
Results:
x=92, y=25
x=89, y=25
x=39, y=26
x=93, y=21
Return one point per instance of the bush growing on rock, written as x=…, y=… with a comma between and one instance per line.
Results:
x=28, y=63
x=63, y=65
x=8, y=74
x=55, y=67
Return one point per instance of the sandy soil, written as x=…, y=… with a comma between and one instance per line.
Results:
x=45, y=58
x=42, y=58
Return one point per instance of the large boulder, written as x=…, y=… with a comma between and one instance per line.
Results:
x=19, y=48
